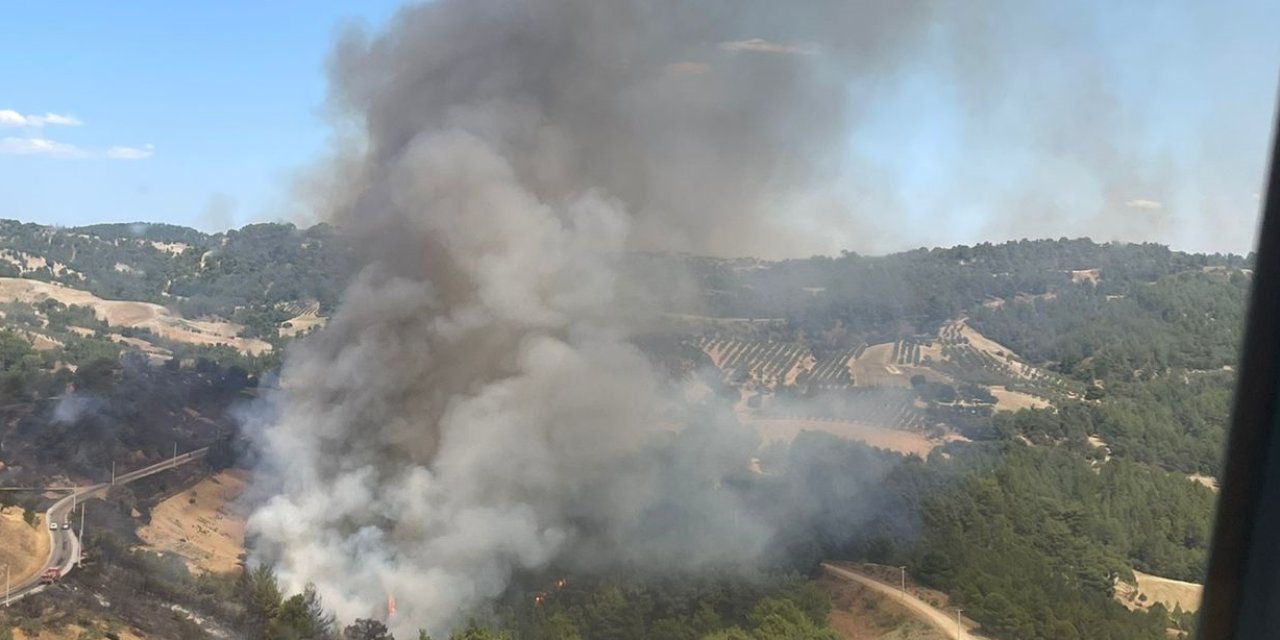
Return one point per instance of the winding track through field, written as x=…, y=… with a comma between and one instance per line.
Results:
x=937, y=618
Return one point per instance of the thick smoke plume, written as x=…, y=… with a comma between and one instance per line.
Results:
x=475, y=407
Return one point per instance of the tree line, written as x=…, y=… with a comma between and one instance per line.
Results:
x=1030, y=540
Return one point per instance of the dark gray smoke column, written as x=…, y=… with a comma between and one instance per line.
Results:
x=473, y=407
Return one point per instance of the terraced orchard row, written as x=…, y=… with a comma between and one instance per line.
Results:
x=881, y=406
x=300, y=307
x=967, y=355
x=776, y=364
x=958, y=353
x=832, y=371
x=769, y=364
x=907, y=352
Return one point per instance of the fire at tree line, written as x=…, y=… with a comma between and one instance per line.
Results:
x=1026, y=523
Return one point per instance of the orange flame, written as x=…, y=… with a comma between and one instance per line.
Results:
x=391, y=605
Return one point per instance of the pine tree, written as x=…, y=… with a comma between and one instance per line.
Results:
x=366, y=629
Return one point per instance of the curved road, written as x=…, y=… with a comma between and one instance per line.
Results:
x=64, y=546
x=939, y=619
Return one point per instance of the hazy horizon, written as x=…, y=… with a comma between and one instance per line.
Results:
x=1128, y=123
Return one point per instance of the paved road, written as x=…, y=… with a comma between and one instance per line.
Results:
x=64, y=546
x=939, y=619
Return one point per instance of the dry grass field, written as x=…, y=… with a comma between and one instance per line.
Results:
x=22, y=546
x=145, y=315
x=1014, y=400
x=860, y=613
x=1157, y=589
x=786, y=429
x=204, y=524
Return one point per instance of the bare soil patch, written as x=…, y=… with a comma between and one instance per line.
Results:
x=801, y=365
x=301, y=324
x=1007, y=400
x=860, y=613
x=1028, y=298
x=204, y=524
x=1208, y=481
x=786, y=429
x=875, y=368
x=877, y=354
x=1099, y=443
x=1157, y=589
x=922, y=603
x=893, y=576
x=172, y=248
x=1086, y=275
x=22, y=546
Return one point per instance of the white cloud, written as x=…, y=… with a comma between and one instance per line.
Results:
x=131, y=153
x=46, y=148
x=1141, y=203
x=11, y=118
x=760, y=45
x=39, y=147
x=34, y=145
x=59, y=119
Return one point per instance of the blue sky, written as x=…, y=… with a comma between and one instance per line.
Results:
x=200, y=113
x=227, y=93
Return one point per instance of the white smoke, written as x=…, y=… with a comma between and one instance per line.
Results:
x=446, y=430
x=74, y=406
x=475, y=407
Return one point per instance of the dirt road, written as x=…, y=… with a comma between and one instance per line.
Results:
x=939, y=619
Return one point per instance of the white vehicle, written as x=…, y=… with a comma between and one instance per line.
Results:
x=66, y=525
x=53, y=525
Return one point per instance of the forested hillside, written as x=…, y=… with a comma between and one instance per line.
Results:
x=1054, y=302
x=918, y=290
x=1067, y=401
x=1029, y=539
x=257, y=269
x=1130, y=351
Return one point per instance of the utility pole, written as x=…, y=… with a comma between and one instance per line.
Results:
x=113, y=473
x=175, y=455
x=79, y=539
x=959, y=630
x=904, y=582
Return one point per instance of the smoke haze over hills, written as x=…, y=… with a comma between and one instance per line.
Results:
x=475, y=408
